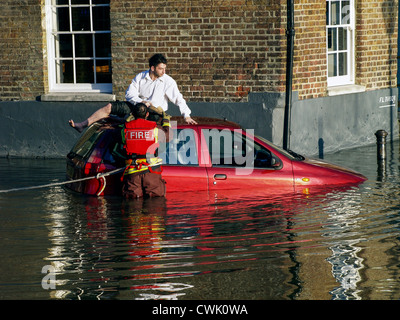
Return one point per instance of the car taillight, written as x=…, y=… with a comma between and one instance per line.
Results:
x=92, y=168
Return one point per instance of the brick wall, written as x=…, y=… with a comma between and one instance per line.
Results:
x=217, y=50
x=309, y=67
x=376, y=38
x=21, y=51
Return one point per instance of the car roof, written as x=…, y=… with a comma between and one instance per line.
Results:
x=207, y=121
x=179, y=120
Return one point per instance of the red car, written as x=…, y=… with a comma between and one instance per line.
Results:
x=216, y=157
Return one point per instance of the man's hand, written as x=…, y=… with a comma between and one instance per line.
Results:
x=147, y=103
x=189, y=120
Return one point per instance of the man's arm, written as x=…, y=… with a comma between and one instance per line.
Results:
x=174, y=95
x=132, y=93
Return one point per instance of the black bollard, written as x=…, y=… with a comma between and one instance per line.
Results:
x=381, y=153
x=381, y=144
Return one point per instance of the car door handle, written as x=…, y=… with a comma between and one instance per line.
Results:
x=219, y=176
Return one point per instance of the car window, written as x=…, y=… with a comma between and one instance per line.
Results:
x=234, y=149
x=114, y=153
x=86, y=143
x=181, y=149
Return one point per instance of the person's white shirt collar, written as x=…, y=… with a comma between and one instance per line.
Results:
x=159, y=78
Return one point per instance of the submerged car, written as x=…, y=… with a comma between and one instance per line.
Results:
x=215, y=156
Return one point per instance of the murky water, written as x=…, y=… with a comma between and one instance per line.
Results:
x=337, y=245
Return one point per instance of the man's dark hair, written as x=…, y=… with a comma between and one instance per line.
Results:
x=156, y=59
x=140, y=111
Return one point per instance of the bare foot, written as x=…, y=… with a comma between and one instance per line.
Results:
x=78, y=126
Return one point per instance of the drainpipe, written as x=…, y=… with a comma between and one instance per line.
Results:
x=289, y=74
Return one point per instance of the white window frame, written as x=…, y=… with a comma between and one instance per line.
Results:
x=51, y=15
x=348, y=23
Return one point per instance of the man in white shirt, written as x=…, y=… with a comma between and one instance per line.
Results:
x=152, y=87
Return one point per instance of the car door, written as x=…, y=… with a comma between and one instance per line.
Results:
x=182, y=168
x=238, y=165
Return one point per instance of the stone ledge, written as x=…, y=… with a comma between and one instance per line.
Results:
x=70, y=97
x=346, y=89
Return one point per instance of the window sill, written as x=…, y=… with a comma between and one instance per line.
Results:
x=64, y=96
x=346, y=89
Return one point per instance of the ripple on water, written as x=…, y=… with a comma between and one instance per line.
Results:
x=332, y=245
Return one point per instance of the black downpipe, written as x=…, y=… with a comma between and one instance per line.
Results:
x=289, y=74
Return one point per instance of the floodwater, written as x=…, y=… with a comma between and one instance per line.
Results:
x=339, y=245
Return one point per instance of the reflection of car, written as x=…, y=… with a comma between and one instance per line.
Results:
x=215, y=156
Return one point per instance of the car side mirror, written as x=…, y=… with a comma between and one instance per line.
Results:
x=264, y=159
x=275, y=163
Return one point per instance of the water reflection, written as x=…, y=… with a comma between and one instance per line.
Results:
x=162, y=249
x=371, y=231
x=343, y=223
x=152, y=250
x=331, y=244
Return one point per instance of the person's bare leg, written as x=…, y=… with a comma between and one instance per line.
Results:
x=101, y=113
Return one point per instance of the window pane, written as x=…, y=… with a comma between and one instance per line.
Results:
x=342, y=38
x=63, y=44
x=103, y=71
x=345, y=12
x=103, y=45
x=332, y=42
x=101, y=1
x=263, y=157
x=79, y=1
x=335, y=13
x=59, y=2
x=242, y=148
x=84, y=71
x=327, y=12
x=63, y=19
x=81, y=19
x=64, y=71
x=342, y=63
x=83, y=45
x=101, y=18
x=332, y=65
x=229, y=148
x=219, y=144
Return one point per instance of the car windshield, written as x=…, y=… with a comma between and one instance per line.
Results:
x=87, y=142
x=288, y=153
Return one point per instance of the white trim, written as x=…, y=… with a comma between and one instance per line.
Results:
x=59, y=96
x=348, y=79
x=49, y=41
x=50, y=15
x=81, y=87
x=387, y=106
